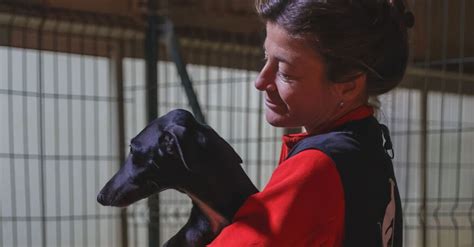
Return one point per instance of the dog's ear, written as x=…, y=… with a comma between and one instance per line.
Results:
x=168, y=144
x=195, y=146
x=175, y=142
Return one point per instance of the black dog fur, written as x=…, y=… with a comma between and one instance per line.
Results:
x=177, y=152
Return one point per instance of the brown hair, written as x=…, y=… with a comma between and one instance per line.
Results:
x=353, y=36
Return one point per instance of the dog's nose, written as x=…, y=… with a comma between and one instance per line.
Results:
x=101, y=199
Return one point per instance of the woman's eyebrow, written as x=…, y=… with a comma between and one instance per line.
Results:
x=283, y=59
x=279, y=57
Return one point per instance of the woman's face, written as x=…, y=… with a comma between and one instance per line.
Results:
x=297, y=91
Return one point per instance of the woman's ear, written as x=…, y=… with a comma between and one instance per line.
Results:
x=352, y=90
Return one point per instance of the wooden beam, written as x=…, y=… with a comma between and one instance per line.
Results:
x=237, y=23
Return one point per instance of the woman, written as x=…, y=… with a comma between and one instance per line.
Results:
x=335, y=184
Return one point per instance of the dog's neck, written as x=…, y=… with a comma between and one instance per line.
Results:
x=218, y=197
x=216, y=219
x=205, y=222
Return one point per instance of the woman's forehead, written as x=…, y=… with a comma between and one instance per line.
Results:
x=281, y=45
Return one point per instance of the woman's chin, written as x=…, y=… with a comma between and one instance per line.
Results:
x=276, y=119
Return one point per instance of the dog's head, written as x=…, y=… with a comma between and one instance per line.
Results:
x=163, y=155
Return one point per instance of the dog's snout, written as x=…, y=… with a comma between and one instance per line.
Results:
x=101, y=199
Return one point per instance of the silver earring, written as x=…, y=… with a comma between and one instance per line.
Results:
x=341, y=104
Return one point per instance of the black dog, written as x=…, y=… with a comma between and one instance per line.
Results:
x=177, y=152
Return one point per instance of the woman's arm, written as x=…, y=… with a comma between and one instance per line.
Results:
x=302, y=205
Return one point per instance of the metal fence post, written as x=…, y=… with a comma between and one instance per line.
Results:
x=117, y=74
x=173, y=49
x=424, y=166
x=151, y=60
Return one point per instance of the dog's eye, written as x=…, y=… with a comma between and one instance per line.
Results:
x=139, y=159
x=135, y=159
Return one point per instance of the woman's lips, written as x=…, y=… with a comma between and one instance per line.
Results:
x=272, y=106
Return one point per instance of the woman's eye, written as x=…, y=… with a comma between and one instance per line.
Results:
x=284, y=77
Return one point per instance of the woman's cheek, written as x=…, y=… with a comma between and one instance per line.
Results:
x=285, y=90
x=293, y=104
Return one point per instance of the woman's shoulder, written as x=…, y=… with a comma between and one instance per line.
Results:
x=306, y=164
x=331, y=144
x=351, y=139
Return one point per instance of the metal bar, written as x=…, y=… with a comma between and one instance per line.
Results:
x=408, y=148
x=219, y=59
x=392, y=125
x=230, y=94
x=197, y=82
x=134, y=120
x=11, y=138
x=408, y=153
x=79, y=217
x=247, y=117
x=423, y=167
x=26, y=141
x=207, y=61
x=56, y=138
x=202, y=57
x=436, y=74
x=424, y=137
x=441, y=134
x=96, y=146
x=458, y=167
x=117, y=75
x=259, y=143
x=440, y=175
x=84, y=138
x=167, y=85
x=174, y=51
x=112, y=81
x=61, y=157
x=178, y=86
x=460, y=124
x=446, y=228
x=1, y=224
x=70, y=141
x=471, y=218
x=151, y=58
x=59, y=96
x=40, y=108
x=170, y=214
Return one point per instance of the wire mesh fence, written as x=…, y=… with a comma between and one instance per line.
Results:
x=60, y=108
x=73, y=93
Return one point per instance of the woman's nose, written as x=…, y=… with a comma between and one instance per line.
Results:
x=265, y=80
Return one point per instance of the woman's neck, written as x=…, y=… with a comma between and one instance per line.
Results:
x=334, y=121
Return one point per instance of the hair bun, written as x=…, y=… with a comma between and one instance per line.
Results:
x=408, y=19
